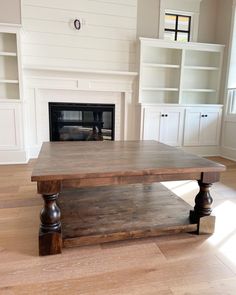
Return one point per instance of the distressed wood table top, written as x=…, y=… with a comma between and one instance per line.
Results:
x=81, y=160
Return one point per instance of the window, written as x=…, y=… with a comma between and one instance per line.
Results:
x=232, y=101
x=177, y=27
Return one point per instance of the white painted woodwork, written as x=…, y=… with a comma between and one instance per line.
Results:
x=12, y=147
x=202, y=126
x=171, y=129
x=106, y=40
x=184, y=7
x=10, y=63
x=228, y=148
x=11, y=129
x=179, y=73
x=151, y=126
x=44, y=85
x=163, y=124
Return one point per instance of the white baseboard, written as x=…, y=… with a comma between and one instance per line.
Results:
x=13, y=157
x=33, y=152
x=228, y=153
x=203, y=151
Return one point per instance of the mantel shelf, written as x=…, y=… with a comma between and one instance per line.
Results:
x=83, y=71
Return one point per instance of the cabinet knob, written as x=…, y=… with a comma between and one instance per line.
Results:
x=203, y=116
x=163, y=115
x=166, y=115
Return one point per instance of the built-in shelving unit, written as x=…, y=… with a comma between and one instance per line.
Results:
x=10, y=86
x=12, y=148
x=172, y=72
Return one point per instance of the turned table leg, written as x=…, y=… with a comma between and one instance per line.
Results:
x=50, y=237
x=203, y=202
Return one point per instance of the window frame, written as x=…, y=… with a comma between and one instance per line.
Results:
x=176, y=30
x=165, y=7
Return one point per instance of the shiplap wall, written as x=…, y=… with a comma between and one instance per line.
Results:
x=105, y=42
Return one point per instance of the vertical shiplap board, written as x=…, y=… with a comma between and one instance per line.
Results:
x=105, y=42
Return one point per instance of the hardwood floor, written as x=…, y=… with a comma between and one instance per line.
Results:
x=177, y=264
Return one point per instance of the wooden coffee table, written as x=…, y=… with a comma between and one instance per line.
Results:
x=111, y=191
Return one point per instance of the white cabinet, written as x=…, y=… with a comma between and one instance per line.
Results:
x=11, y=104
x=202, y=126
x=10, y=126
x=10, y=69
x=163, y=124
x=179, y=73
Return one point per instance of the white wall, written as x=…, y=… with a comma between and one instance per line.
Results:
x=207, y=21
x=105, y=42
x=223, y=35
x=148, y=18
x=10, y=11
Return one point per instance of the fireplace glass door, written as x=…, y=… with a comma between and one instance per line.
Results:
x=81, y=122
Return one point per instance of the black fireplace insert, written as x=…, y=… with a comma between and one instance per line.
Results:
x=81, y=122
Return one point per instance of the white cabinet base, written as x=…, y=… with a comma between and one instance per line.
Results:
x=194, y=129
x=11, y=131
x=13, y=157
x=203, y=151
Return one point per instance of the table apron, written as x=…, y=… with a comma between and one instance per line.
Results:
x=122, y=180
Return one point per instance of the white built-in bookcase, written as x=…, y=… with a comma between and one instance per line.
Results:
x=10, y=80
x=11, y=98
x=179, y=73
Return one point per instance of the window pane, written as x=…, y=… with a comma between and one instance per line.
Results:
x=170, y=21
x=169, y=35
x=183, y=23
x=182, y=37
x=232, y=101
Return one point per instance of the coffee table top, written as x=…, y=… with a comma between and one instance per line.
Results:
x=77, y=160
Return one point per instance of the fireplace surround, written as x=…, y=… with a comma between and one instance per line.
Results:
x=81, y=122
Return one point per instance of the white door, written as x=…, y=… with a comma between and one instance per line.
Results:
x=171, y=126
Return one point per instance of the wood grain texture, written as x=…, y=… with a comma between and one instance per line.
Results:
x=176, y=264
x=79, y=160
x=105, y=214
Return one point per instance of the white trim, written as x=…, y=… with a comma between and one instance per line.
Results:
x=76, y=70
x=166, y=8
x=228, y=153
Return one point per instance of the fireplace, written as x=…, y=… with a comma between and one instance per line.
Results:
x=81, y=122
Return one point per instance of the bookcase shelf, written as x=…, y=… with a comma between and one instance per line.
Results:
x=153, y=65
x=174, y=72
x=8, y=54
x=10, y=80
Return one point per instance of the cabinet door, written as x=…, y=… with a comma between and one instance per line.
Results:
x=210, y=127
x=192, y=127
x=171, y=126
x=202, y=127
x=10, y=126
x=151, y=124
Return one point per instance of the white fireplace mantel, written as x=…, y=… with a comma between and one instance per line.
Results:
x=79, y=79
x=43, y=85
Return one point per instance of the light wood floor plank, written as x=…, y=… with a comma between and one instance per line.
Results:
x=178, y=264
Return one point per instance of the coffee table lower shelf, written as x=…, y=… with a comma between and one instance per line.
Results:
x=114, y=213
